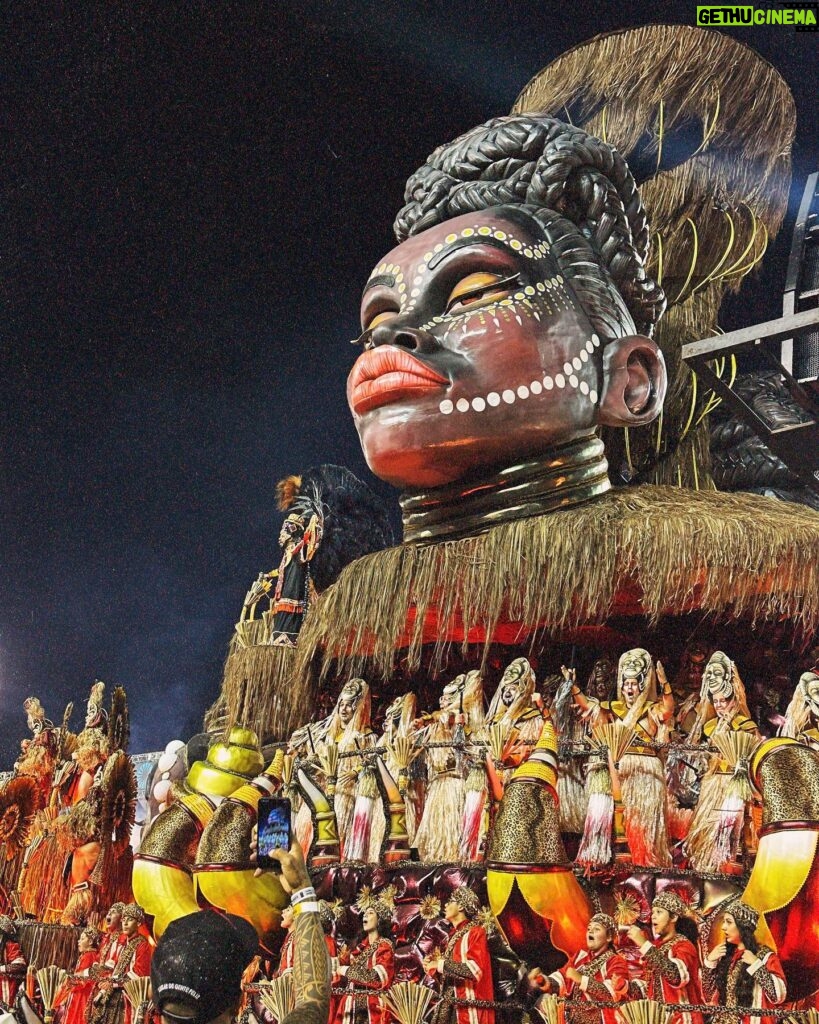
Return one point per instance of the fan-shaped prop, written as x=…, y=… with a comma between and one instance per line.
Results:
x=49, y=980
x=734, y=746
x=615, y=736
x=119, y=721
x=277, y=995
x=19, y=802
x=643, y=1011
x=119, y=795
x=408, y=1001
x=137, y=992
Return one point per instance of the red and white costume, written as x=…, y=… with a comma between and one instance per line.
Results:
x=133, y=961
x=769, y=988
x=12, y=969
x=604, y=979
x=74, y=995
x=671, y=974
x=371, y=969
x=466, y=974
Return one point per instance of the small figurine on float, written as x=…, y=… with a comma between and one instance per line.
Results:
x=76, y=990
x=740, y=971
x=802, y=716
x=109, y=1004
x=38, y=756
x=721, y=818
x=459, y=717
x=596, y=974
x=12, y=961
x=299, y=539
x=669, y=961
x=368, y=968
x=646, y=713
x=464, y=968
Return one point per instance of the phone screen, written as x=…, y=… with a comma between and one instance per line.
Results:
x=274, y=829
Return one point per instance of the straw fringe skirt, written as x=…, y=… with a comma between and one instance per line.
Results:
x=642, y=780
x=438, y=835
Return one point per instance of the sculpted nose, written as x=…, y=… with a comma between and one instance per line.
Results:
x=412, y=338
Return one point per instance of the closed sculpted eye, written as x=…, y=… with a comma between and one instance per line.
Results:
x=479, y=289
x=379, y=318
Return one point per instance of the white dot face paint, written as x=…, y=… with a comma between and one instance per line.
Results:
x=493, y=399
x=548, y=383
x=523, y=391
x=589, y=348
x=567, y=368
x=593, y=396
x=584, y=356
x=576, y=363
x=595, y=340
x=508, y=396
x=573, y=381
x=560, y=380
x=535, y=387
x=478, y=404
x=446, y=407
x=462, y=405
x=584, y=387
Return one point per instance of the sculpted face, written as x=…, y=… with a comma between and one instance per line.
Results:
x=809, y=682
x=476, y=353
x=512, y=682
x=450, y=698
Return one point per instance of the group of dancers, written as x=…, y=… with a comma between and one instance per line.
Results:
x=648, y=776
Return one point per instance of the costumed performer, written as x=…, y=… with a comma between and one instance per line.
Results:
x=721, y=820
x=348, y=727
x=640, y=708
x=459, y=716
x=109, y=1005
x=399, y=725
x=669, y=960
x=802, y=715
x=72, y=999
x=12, y=961
x=512, y=710
x=740, y=971
x=573, y=731
x=593, y=975
x=368, y=969
x=464, y=968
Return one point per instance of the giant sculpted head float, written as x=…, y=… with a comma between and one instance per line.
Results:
x=512, y=320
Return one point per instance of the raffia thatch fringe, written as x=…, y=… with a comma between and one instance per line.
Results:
x=260, y=692
x=733, y=555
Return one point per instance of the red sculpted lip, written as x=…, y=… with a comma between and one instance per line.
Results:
x=387, y=374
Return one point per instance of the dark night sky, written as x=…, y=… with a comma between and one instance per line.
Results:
x=192, y=197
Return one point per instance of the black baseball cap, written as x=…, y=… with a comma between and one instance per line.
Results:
x=199, y=962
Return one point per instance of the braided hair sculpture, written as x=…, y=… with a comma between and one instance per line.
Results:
x=576, y=187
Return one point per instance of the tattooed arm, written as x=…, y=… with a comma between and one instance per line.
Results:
x=311, y=961
x=311, y=972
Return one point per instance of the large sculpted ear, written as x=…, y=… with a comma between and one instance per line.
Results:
x=634, y=382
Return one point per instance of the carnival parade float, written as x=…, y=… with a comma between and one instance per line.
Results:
x=577, y=706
